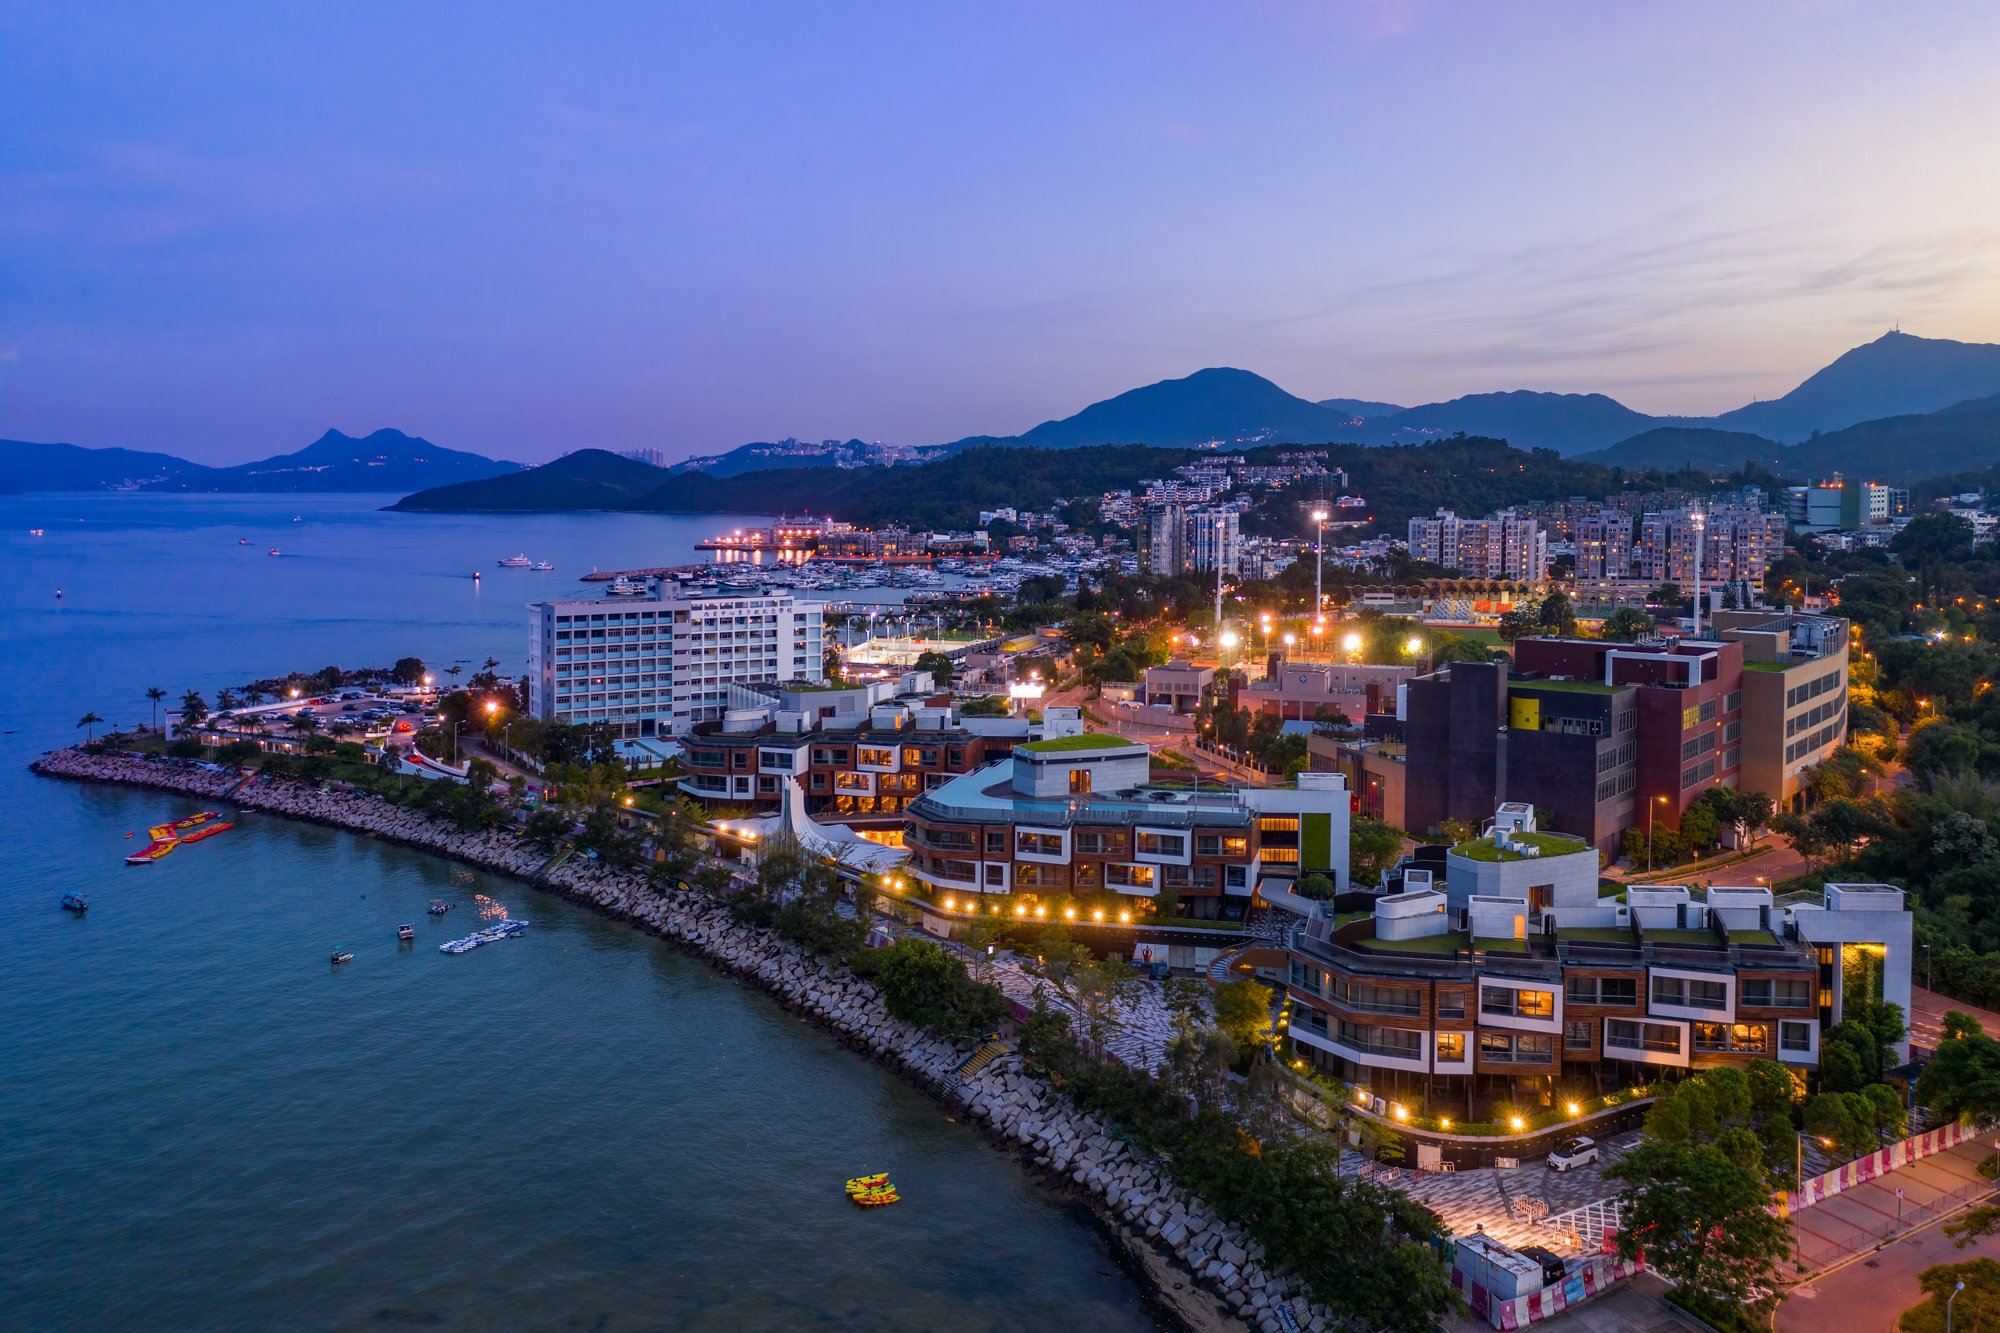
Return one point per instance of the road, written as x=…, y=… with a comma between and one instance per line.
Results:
x=1872, y=1290
x=1927, y=1010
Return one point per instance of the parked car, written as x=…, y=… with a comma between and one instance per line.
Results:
x=1572, y=1153
x=1553, y=1268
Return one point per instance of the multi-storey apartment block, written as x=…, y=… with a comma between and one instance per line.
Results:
x=1501, y=547
x=1080, y=814
x=1512, y=983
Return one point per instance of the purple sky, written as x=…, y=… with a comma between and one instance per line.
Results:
x=524, y=230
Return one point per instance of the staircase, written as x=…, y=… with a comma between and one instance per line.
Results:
x=973, y=1065
x=549, y=865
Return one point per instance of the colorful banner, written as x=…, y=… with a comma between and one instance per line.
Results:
x=1594, y=1276
x=1880, y=1163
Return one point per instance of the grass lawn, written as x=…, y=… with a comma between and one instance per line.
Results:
x=1550, y=844
x=1498, y=945
x=1596, y=934
x=1573, y=686
x=1706, y=937
x=1089, y=740
x=1752, y=937
x=1611, y=889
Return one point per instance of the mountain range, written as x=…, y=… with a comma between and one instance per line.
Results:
x=387, y=460
x=1897, y=374
x=1896, y=408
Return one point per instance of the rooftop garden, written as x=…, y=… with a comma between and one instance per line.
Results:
x=1596, y=935
x=1697, y=937
x=1573, y=686
x=1549, y=844
x=1089, y=740
x=1447, y=944
x=1753, y=937
x=1770, y=666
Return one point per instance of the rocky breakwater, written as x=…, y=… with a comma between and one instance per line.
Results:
x=1163, y=1226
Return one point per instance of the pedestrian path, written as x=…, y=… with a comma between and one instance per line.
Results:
x=1866, y=1215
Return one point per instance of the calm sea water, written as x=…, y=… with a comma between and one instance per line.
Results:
x=204, y=1125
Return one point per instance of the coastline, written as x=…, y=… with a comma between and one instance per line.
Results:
x=1197, y=1270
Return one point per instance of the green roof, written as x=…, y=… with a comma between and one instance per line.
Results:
x=1089, y=740
x=1551, y=844
x=1683, y=937
x=1772, y=666
x=1574, y=686
x=1596, y=934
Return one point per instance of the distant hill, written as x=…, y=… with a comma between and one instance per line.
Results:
x=1960, y=438
x=949, y=492
x=25, y=466
x=586, y=479
x=1359, y=408
x=387, y=460
x=1218, y=404
x=1569, y=423
x=1896, y=375
x=1670, y=447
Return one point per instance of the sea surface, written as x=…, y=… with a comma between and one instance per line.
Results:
x=204, y=1125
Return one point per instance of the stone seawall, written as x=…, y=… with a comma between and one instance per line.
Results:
x=1162, y=1226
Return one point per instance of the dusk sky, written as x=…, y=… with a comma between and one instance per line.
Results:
x=524, y=230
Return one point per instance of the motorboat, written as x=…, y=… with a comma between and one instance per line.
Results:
x=543, y=566
x=406, y=932
x=342, y=956
x=517, y=562
x=438, y=907
x=274, y=550
x=242, y=541
x=73, y=902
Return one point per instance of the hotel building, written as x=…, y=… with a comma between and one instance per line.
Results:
x=654, y=665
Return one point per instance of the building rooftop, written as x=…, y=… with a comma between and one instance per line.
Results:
x=1576, y=686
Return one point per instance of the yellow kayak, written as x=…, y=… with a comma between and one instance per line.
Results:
x=877, y=1198
x=859, y=1183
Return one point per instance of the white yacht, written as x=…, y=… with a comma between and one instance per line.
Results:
x=517, y=562
x=543, y=566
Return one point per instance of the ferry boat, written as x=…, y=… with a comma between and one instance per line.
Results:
x=517, y=562
x=73, y=902
x=626, y=587
x=543, y=566
x=341, y=956
x=406, y=932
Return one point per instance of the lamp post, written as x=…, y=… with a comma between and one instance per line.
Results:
x=1947, y=1305
x=1928, y=978
x=1417, y=645
x=1657, y=802
x=1319, y=559
x=1352, y=643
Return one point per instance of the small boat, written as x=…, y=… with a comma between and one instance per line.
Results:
x=34, y=532
x=862, y=1183
x=517, y=562
x=626, y=587
x=543, y=566
x=242, y=541
x=274, y=550
x=342, y=956
x=406, y=932
x=438, y=907
x=73, y=902
x=475, y=576
x=877, y=1198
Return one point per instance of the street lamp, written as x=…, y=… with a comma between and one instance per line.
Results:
x=1352, y=643
x=1290, y=639
x=1319, y=558
x=1947, y=1305
x=1658, y=801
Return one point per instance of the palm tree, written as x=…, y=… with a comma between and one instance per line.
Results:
x=91, y=721
x=453, y=671
x=155, y=694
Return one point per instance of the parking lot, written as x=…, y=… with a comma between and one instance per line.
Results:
x=346, y=714
x=1510, y=1204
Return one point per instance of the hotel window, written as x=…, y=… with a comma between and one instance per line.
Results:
x=1039, y=844
x=1450, y=1047
x=853, y=782
x=1515, y=1048
x=1632, y=1035
x=1507, y=1002
x=1307, y=979
x=1132, y=877
x=996, y=843
x=1162, y=844
x=1778, y=993
x=875, y=757
x=1577, y=1035
x=1686, y=994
